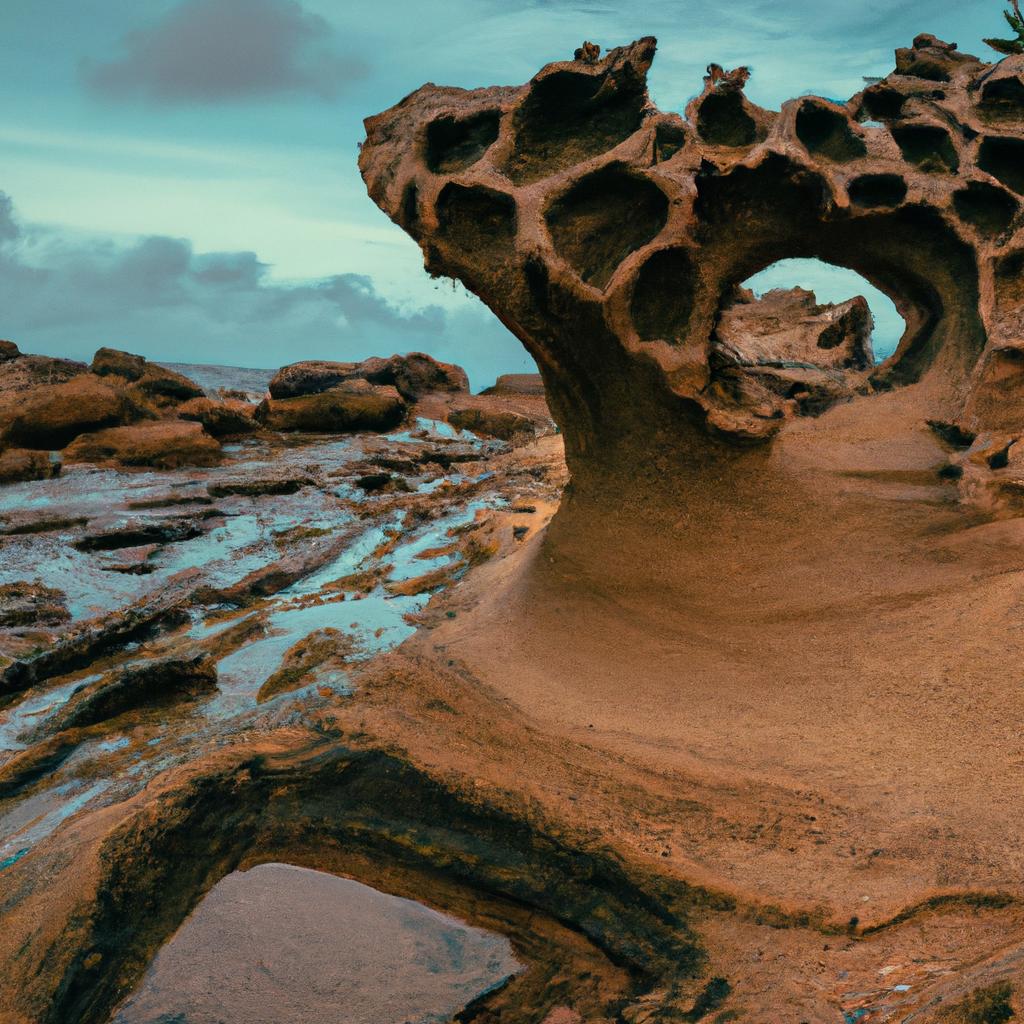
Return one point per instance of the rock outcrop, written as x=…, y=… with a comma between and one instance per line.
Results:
x=20, y=464
x=608, y=236
x=52, y=415
x=346, y=406
x=155, y=382
x=413, y=376
x=166, y=444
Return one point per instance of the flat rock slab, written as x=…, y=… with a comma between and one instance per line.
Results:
x=285, y=945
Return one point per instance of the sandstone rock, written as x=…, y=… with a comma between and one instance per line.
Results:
x=285, y=482
x=787, y=327
x=112, y=361
x=20, y=464
x=32, y=604
x=517, y=384
x=49, y=417
x=8, y=351
x=492, y=422
x=167, y=444
x=349, y=406
x=153, y=381
x=608, y=233
x=21, y=373
x=413, y=375
x=147, y=685
x=309, y=377
x=220, y=419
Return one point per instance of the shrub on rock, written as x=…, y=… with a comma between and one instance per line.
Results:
x=167, y=444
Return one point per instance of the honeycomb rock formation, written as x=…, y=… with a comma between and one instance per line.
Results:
x=608, y=235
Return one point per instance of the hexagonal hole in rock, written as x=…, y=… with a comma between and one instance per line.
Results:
x=569, y=117
x=455, y=145
x=927, y=146
x=882, y=103
x=988, y=208
x=1004, y=95
x=480, y=221
x=877, y=190
x=604, y=218
x=1003, y=158
x=826, y=132
x=723, y=121
x=663, y=296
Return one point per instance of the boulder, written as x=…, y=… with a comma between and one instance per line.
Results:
x=20, y=464
x=166, y=444
x=112, y=361
x=413, y=375
x=530, y=384
x=220, y=419
x=20, y=373
x=309, y=377
x=492, y=421
x=152, y=380
x=789, y=326
x=50, y=416
x=32, y=604
x=349, y=406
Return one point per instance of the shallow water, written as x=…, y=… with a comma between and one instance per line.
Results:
x=280, y=944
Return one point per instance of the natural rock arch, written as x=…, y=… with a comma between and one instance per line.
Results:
x=607, y=235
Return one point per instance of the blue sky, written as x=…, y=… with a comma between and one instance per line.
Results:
x=181, y=175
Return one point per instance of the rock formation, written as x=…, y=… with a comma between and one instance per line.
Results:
x=608, y=235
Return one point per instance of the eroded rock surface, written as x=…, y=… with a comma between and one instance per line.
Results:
x=608, y=235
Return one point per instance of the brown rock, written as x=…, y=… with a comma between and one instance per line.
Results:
x=32, y=604
x=112, y=361
x=167, y=444
x=49, y=417
x=492, y=422
x=348, y=406
x=8, y=351
x=153, y=381
x=19, y=464
x=413, y=375
x=789, y=326
x=517, y=384
x=607, y=235
x=220, y=419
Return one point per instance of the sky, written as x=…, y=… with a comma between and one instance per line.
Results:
x=178, y=177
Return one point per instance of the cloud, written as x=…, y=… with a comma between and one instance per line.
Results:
x=213, y=50
x=158, y=297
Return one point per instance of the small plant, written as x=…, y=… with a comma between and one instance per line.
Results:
x=1015, y=20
